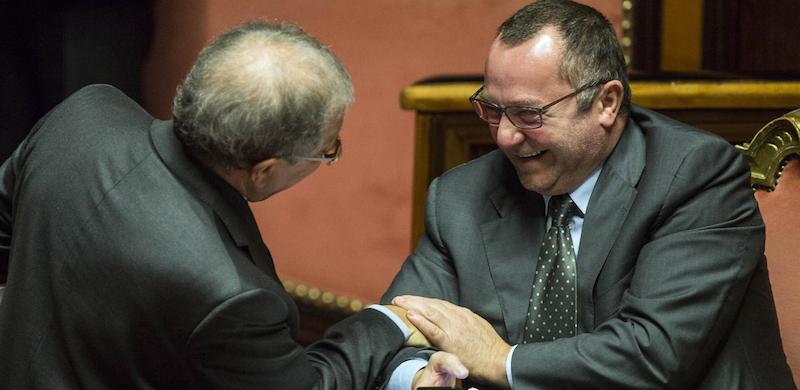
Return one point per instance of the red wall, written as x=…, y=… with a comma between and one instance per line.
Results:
x=346, y=229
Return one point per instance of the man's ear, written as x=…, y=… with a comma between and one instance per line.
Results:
x=262, y=172
x=609, y=101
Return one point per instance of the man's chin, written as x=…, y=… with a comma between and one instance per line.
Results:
x=534, y=184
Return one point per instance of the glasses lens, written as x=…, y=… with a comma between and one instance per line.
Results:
x=524, y=117
x=487, y=112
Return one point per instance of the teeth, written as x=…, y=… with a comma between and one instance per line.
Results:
x=534, y=154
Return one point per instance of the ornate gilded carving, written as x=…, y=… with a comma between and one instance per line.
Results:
x=323, y=299
x=771, y=148
x=627, y=30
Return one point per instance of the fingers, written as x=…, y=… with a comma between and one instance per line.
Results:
x=436, y=319
x=409, y=302
x=443, y=369
x=448, y=364
x=415, y=337
x=459, y=331
x=435, y=310
x=428, y=329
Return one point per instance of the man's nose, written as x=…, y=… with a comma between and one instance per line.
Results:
x=507, y=133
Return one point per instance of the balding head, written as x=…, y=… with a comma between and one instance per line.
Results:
x=261, y=90
x=591, y=51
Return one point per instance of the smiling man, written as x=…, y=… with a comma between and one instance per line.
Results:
x=602, y=246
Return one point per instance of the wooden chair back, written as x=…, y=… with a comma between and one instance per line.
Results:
x=774, y=156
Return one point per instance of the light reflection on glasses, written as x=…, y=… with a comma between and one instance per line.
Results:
x=328, y=158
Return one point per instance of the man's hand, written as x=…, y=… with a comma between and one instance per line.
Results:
x=415, y=339
x=461, y=332
x=443, y=369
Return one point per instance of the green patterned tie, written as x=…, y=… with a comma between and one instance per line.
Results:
x=552, y=312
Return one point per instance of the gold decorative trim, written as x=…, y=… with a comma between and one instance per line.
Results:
x=444, y=97
x=717, y=94
x=772, y=146
x=323, y=299
x=438, y=97
x=626, y=25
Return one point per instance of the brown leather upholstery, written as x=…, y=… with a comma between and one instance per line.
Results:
x=775, y=174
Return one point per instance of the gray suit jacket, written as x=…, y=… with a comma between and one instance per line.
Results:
x=672, y=284
x=132, y=268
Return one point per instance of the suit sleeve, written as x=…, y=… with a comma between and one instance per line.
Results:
x=245, y=343
x=427, y=272
x=9, y=172
x=686, y=288
x=8, y=178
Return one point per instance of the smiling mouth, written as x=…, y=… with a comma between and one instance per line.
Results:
x=531, y=155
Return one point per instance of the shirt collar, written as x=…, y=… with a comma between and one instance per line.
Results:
x=581, y=194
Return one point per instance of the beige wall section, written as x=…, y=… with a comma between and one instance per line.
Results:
x=346, y=228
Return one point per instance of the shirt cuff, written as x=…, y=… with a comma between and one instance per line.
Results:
x=403, y=376
x=508, y=367
x=397, y=321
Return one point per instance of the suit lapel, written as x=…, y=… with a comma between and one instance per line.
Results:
x=511, y=238
x=226, y=202
x=608, y=207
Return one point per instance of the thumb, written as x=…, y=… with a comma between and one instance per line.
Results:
x=448, y=364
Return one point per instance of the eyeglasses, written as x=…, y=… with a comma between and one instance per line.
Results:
x=522, y=117
x=328, y=158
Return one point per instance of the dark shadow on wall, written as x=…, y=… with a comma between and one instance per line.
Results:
x=50, y=49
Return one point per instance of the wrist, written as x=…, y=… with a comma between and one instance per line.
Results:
x=497, y=371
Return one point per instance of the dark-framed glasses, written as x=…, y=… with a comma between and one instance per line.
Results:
x=522, y=117
x=328, y=158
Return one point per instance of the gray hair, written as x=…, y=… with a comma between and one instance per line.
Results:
x=592, y=52
x=260, y=90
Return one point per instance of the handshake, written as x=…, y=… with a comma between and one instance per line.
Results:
x=468, y=344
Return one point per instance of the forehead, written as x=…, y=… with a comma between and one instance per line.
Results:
x=525, y=73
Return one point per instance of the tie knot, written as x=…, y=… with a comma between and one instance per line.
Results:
x=561, y=209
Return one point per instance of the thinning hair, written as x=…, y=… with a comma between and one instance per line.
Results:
x=591, y=53
x=260, y=90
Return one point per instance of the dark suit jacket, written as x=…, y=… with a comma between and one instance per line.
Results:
x=672, y=284
x=131, y=268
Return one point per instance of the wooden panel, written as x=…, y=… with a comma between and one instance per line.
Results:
x=720, y=34
x=681, y=36
x=768, y=36
x=646, y=37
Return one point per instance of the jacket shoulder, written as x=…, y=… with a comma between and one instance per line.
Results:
x=485, y=172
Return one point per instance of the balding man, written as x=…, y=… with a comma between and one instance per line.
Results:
x=133, y=260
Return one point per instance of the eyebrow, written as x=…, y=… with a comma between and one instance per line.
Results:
x=520, y=103
x=516, y=103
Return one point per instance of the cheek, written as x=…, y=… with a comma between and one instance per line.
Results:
x=297, y=174
x=582, y=138
x=308, y=170
x=594, y=140
x=493, y=133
